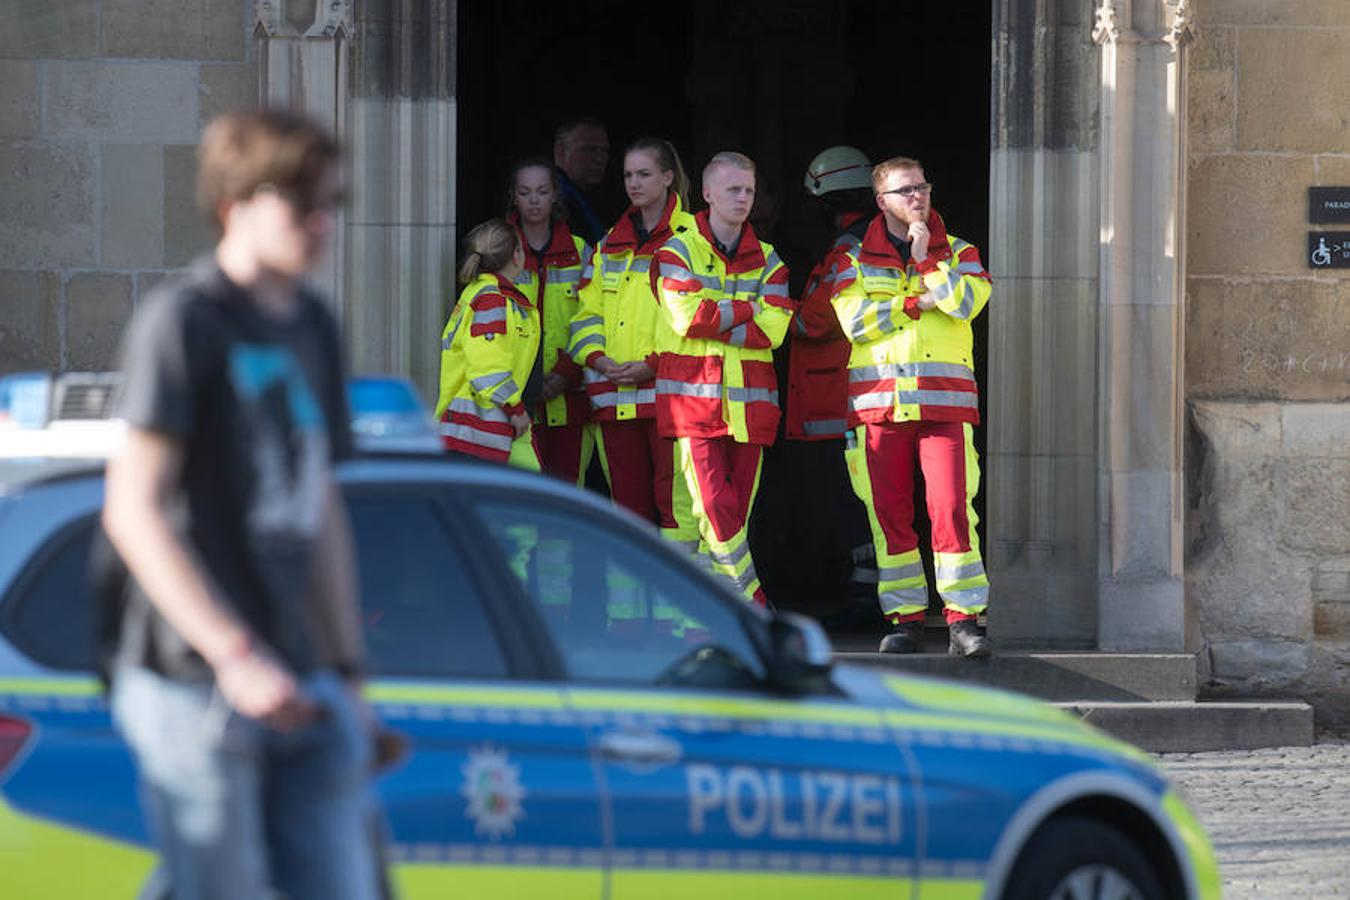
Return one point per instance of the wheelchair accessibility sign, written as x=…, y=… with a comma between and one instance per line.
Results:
x=1329, y=249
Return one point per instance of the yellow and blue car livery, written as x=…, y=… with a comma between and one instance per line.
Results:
x=537, y=784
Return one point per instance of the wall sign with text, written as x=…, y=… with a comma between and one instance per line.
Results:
x=1329, y=249
x=1329, y=204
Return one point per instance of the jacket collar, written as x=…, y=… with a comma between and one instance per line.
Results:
x=749, y=254
x=877, y=249
x=508, y=290
x=623, y=237
x=561, y=250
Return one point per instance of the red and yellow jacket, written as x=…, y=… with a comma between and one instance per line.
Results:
x=909, y=364
x=724, y=316
x=817, y=401
x=487, y=353
x=563, y=269
x=619, y=316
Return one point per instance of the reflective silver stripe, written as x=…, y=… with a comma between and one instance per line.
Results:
x=848, y=241
x=450, y=338
x=941, y=398
x=640, y=265
x=589, y=272
x=739, y=336
x=881, y=272
x=613, y=267
x=686, y=389
x=884, y=321
x=889, y=600
x=468, y=407
x=865, y=553
x=772, y=260
x=746, y=578
x=969, y=268
x=958, y=572
x=526, y=277
x=679, y=273
x=596, y=340
x=726, y=314
x=735, y=556
x=676, y=245
x=856, y=328
x=911, y=370
x=616, y=398
x=958, y=245
x=578, y=324
x=900, y=573
x=569, y=275
x=487, y=316
x=489, y=381
x=470, y=435
x=825, y=426
x=974, y=598
x=876, y=400
x=503, y=393
x=775, y=290
x=751, y=395
x=967, y=303
x=797, y=324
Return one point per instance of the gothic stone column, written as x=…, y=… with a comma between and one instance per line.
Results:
x=1141, y=603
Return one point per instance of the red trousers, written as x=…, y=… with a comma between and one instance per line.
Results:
x=564, y=450
x=640, y=467
x=723, y=476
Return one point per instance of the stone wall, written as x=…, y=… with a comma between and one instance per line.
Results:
x=1268, y=351
x=101, y=105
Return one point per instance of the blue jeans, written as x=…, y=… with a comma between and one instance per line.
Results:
x=240, y=810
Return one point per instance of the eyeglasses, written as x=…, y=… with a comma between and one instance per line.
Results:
x=922, y=189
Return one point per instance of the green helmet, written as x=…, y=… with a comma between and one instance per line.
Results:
x=840, y=168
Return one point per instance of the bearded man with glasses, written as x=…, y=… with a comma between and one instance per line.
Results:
x=905, y=299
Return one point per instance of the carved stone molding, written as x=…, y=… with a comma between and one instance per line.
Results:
x=302, y=18
x=1182, y=29
x=1106, y=30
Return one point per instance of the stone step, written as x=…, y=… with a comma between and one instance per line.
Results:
x=1197, y=726
x=1057, y=676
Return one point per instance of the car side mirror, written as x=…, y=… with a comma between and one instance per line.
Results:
x=801, y=654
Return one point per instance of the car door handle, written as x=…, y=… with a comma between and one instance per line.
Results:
x=641, y=749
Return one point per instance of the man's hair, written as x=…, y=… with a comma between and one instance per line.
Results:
x=882, y=170
x=568, y=126
x=728, y=158
x=244, y=150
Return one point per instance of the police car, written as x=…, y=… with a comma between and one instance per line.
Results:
x=591, y=717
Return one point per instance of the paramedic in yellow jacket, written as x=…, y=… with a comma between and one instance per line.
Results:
x=905, y=299
x=488, y=353
x=556, y=267
x=724, y=298
x=614, y=335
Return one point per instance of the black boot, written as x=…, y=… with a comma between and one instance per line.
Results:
x=964, y=639
x=907, y=637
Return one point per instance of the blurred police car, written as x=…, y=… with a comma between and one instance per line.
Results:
x=590, y=716
x=389, y=416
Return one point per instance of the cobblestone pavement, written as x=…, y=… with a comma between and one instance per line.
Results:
x=1279, y=819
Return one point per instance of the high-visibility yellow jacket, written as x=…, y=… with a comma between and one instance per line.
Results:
x=724, y=316
x=619, y=316
x=909, y=364
x=562, y=268
x=487, y=353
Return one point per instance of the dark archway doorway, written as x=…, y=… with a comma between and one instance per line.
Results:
x=776, y=79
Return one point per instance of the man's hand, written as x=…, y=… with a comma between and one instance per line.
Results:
x=554, y=385
x=521, y=423
x=257, y=685
x=606, y=367
x=918, y=243
x=632, y=373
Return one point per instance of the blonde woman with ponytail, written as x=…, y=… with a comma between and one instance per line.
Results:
x=614, y=335
x=488, y=353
